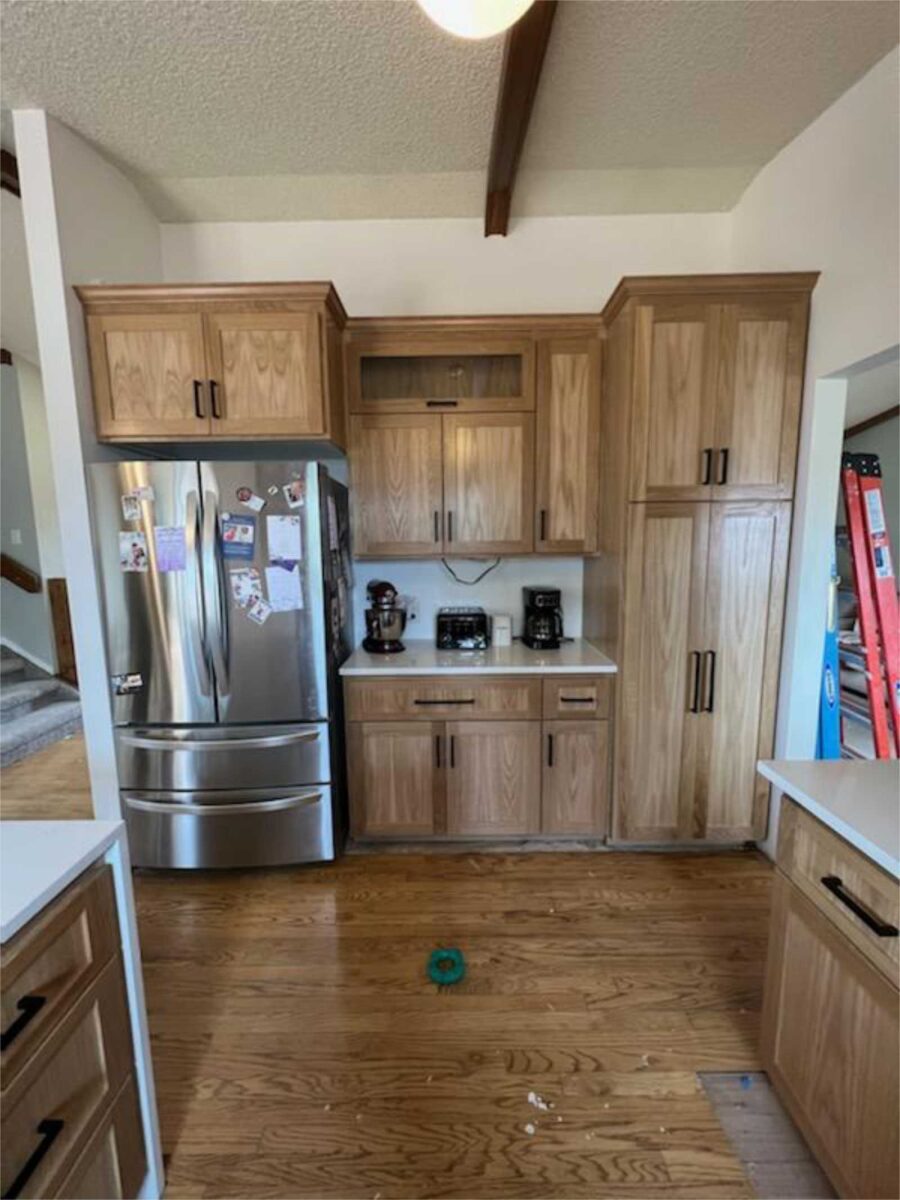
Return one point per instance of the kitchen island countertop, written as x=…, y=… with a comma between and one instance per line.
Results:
x=578, y=657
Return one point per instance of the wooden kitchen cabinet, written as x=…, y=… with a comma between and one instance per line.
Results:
x=568, y=416
x=574, y=790
x=493, y=778
x=830, y=1045
x=397, y=779
x=397, y=485
x=704, y=596
x=222, y=362
x=488, y=483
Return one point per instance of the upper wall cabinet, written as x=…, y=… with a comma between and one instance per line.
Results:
x=432, y=371
x=174, y=363
x=716, y=376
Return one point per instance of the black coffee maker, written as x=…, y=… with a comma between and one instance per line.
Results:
x=543, y=626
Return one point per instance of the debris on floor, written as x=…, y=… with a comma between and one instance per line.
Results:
x=529, y=1129
x=537, y=1101
x=446, y=967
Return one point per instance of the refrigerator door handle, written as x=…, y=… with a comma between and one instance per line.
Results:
x=163, y=740
x=300, y=800
x=195, y=628
x=217, y=617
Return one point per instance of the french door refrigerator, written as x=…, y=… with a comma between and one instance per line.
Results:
x=226, y=596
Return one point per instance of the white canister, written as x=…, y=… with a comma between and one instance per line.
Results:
x=501, y=629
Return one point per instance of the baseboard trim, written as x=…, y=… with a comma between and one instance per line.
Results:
x=40, y=663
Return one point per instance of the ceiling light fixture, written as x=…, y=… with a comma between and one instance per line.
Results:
x=475, y=18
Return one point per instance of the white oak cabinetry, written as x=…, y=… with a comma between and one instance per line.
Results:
x=831, y=1013
x=515, y=412
x=699, y=423
x=183, y=362
x=469, y=757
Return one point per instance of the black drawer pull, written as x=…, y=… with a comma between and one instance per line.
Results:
x=29, y=1007
x=835, y=885
x=543, y=524
x=577, y=699
x=199, y=407
x=443, y=702
x=694, y=706
x=549, y=749
x=723, y=466
x=437, y=526
x=452, y=750
x=707, y=466
x=214, y=398
x=441, y=403
x=437, y=750
x=449, y=526
x=49, y=1129
x=710, y=657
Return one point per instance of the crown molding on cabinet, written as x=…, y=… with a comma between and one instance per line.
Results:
x=662, y=286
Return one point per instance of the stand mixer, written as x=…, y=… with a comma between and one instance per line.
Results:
x=385, y=618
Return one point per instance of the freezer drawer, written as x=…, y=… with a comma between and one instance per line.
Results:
x=204, y=758
x=261, y=827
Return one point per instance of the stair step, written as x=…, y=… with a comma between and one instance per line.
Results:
x=27, y=694
x=32, y=731
x=11, y=664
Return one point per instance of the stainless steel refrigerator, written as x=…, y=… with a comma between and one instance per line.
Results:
x=227, y=612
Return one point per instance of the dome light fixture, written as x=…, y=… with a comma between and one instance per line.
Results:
x=475, y=19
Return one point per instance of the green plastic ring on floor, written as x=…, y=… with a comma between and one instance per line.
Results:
x=446, y=966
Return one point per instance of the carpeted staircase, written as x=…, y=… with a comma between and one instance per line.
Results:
x=35, y=709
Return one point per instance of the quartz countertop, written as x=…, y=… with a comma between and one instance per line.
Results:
x=578, y=657
x=39, y=859
x=859, y=800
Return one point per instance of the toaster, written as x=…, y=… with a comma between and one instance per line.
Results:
x=462, y=628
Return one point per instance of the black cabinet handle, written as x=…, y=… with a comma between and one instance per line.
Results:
x=576, y=699
x=49, y=1129
x=214, y=398
x=710, y=657
x=707, y=466
x=441, y=703
x=835, y=885
x=441, y=403
x=437, y=526
x=452, y=750
x=437, y=750
x=29, y=1007
x=549, y=749
x=723, y=466
x=543, y=524
x=449, y=525
x=199, y=406
x=695, y=691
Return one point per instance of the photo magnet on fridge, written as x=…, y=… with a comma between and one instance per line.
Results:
x=132, y=550
x=131, y=507
x=249, y=499
x=145, y=492
x=238, y=535
x=295, y=493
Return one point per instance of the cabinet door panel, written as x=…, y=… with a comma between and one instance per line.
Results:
x=745, y=596
x=574, y=800
x=396, y=497
x=396, y=779
x=676, y=350
x=493, y=778
x=567, y=445
x=830, y=1044
x=758, y=407
x=488, y=483
x=149, y=375
x=658, y=748
x=268, y=371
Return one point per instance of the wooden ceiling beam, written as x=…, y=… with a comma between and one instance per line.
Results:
x=9, y=172
x=523, y=58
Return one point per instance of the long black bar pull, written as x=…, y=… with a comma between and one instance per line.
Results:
x=694, y=706
x=49, y=1129
x=29, y=1007
x=835, y=885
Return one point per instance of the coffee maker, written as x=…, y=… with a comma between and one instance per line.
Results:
x=542, y=628
x=385, y=619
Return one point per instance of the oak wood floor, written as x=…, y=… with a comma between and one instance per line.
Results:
x=300, y=1050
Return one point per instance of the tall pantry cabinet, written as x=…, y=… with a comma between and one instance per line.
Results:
x=699, y=425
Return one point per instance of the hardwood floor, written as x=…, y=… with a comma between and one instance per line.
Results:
x=300, y=1050
x=50, y=785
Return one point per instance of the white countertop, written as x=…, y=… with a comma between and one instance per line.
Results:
x=577, y=657
x=858, y=800
x=39, y=859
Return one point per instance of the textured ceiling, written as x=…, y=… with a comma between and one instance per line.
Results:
x=332, y=108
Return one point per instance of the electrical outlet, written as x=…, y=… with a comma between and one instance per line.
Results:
x=15, y=537
x=412, y=608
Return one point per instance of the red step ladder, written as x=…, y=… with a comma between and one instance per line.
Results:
x=876, y=593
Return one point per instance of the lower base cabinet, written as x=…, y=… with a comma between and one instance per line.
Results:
x=490, y=777
x=830, y=1029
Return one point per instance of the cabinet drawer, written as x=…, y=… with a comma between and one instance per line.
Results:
x=576, y=697
x=112, y=1165
x=49, y=963
x=428, y=699
x=852, y=891
x=58, y=1098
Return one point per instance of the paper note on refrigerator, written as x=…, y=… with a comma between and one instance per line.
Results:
x=171, y=550
x=284, y=588
x=284, y=539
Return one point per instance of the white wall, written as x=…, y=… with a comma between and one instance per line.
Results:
x=828, y=201
x=17, y=331
x=500, y=592
x=40, y=468
x=84, y=223
x=411, y=267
